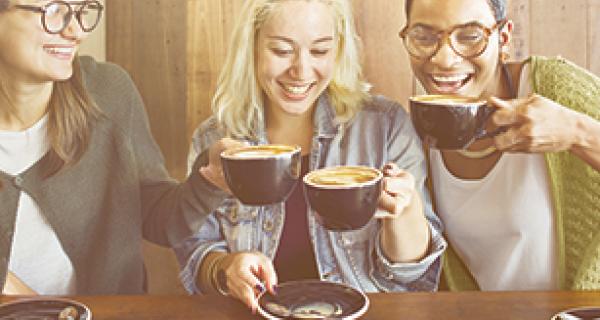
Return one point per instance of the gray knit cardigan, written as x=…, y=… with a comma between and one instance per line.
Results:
x=117, y=194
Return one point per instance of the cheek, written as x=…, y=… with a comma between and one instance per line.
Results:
x=272, y=68
x=326, y=67
x=418, y=67
x=486, y=65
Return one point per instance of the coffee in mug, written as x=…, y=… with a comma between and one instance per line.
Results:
x=344, y=197
x=450, y=122
x=263, y=174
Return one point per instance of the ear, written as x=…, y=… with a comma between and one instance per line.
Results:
x=506, y=33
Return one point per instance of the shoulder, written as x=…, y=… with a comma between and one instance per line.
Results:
x=565, y=82
x=381, y=106
x=112, y=89
x=103, y=75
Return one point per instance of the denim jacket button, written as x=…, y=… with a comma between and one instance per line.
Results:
x=268, y=225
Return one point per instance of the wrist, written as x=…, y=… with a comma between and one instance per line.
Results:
x=218, y=278
x=587, y=133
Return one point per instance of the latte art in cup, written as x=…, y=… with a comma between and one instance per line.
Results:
x=262, y=151
x=343, y=198
x=263, y=174
x=342, y=176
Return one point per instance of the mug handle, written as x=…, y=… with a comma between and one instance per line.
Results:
x=489, y=134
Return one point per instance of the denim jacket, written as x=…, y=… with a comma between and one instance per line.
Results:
x=380, y=133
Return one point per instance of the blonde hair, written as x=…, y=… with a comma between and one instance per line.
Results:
x=238, y=103
x=71, y=112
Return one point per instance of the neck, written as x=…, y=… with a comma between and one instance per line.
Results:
x=290, y=129
x=22, y=105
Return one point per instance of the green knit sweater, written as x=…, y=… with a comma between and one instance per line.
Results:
x=575, y=186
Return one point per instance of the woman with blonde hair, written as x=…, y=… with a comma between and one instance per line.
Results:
x=81, y=179
x=293, y=76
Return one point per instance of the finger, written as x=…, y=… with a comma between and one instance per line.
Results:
x=268, y=275
x=508, y=112
x=387, y=202
x=395, y=204
x=404, y=182
x=249, y=298
x=508, y=140
x=246, y=288
x=391, y=169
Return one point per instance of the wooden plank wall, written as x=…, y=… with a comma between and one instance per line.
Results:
x=174, y=51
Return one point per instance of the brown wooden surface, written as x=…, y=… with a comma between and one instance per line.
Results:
x=414, y=306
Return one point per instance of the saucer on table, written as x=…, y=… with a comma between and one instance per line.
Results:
x=313, y=299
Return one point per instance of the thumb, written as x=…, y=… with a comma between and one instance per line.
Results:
x=506, y=111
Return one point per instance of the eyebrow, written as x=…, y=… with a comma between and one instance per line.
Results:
x=288, y=40
x=424, y=25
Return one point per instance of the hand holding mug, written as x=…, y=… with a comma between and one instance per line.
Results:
x=397, y=192
x=213, y=171
x=245, y=273
x=535, y=124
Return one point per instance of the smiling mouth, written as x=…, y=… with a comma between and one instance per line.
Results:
x=450, y=83
x=62, y=52
x=296, y=90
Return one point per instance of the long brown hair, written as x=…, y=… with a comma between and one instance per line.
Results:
x=71, y=112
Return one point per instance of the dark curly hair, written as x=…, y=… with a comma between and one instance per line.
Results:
x=498, y=7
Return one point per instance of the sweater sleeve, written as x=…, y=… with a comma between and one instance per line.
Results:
x=171, y=211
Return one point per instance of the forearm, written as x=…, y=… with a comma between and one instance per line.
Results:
x=14, y=286
x=587, y=146
x=406, y=238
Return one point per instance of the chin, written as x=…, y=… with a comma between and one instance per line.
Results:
x=61, y=75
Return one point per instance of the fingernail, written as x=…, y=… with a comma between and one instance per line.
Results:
x=259, y=287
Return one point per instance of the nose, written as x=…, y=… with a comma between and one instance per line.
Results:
x=445, y=57
x=73, y=31
x=301, y=65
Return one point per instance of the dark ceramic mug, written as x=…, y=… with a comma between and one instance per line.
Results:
x=261, y=175
x=451, y=122
x=344, y=197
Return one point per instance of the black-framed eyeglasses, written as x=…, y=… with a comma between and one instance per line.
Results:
x=57, y=15
x=466, y=40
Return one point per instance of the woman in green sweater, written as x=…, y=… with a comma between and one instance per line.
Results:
x=81, y=179
x=522, y=209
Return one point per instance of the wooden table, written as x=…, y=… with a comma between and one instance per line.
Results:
x=443, y=305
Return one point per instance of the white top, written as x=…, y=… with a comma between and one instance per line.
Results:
x=37, y=256
x=501, y=226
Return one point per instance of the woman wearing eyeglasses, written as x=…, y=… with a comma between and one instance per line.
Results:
x=521, y=209
x=81, y=179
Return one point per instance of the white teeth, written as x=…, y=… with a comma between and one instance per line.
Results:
x=296, y=89
x=59, y=50
x=452, y=78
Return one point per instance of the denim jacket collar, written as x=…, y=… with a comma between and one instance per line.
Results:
x=326, y=125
